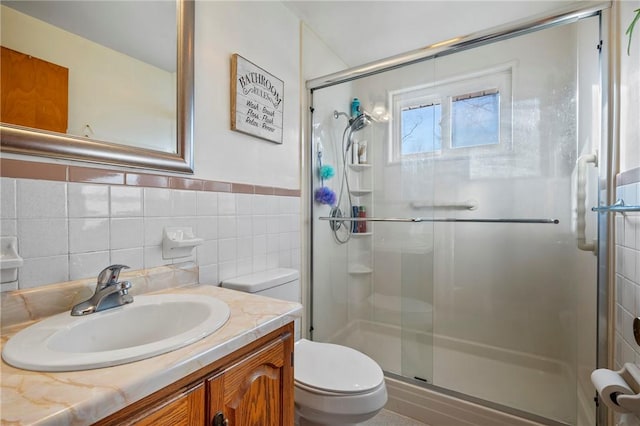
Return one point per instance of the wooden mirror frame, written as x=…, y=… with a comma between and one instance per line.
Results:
x=24, y=140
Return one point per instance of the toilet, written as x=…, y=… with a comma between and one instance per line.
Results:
x=334, y=385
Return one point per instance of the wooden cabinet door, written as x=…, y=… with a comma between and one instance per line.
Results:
x=258, y=390
x=185, y=409
x=34, y=92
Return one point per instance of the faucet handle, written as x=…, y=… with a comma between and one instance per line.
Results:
x=124, y=287
x=109, y=275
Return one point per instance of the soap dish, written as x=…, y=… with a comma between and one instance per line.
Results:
x=178, y=242
x=10, y=261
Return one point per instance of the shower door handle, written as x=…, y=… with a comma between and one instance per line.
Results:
x=581, y=198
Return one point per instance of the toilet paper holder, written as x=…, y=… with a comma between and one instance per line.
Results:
x=636, y=329
x=619, y=390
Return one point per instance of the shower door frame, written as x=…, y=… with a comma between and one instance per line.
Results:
x=607, y=160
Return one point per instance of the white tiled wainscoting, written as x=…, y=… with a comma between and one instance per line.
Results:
x=627, y=239
x=68, y=231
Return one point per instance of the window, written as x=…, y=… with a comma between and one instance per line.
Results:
x=453, y=117
x=421, y=129
x=475, y=119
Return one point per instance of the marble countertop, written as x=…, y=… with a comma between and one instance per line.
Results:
x=83, y=397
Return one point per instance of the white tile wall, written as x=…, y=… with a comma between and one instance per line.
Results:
x=126, y=201
x=627, y=239
x=8, y=199
x=69, y=231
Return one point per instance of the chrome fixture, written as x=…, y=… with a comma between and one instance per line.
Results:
x=337, y=114
x=618, y=207
x=109, y=293
x=336, y=219
x=360, y=122
x=355, y=124
x=566, y=14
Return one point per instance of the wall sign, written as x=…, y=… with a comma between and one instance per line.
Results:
x=257, y=100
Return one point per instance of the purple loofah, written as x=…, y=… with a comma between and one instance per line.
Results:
x=325, y=195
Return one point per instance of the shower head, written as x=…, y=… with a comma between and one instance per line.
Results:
x=355, y=124
x=360, y=122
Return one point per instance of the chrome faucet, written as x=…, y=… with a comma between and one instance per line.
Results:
x=109, y=293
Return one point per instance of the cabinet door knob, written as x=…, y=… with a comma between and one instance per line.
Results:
x=219, y=420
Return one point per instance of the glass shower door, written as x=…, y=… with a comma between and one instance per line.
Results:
x=513, y=303
x=485, y=294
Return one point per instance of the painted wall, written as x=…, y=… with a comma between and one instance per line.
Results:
x=121, y=98
x=267, y=34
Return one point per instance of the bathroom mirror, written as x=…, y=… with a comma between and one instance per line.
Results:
x=89, y=144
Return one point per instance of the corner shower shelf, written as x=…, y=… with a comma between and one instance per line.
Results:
x=359, y=167
x=360, y=192
x=359, y=270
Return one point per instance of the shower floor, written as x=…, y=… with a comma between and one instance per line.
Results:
x=389, y=418
x=520, y=381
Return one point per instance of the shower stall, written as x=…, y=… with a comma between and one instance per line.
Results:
x=455, y=244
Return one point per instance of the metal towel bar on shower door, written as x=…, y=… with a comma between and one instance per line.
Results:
x=436, y=219
x=618, y=207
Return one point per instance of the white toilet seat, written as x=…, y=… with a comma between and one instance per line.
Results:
x=326, y=367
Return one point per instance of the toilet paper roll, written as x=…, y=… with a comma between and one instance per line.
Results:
x=609, y=385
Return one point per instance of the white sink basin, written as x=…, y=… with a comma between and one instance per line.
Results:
x=151, y=325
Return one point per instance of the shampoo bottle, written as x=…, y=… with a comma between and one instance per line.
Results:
x=362, y=213
x=362, y=152
x=355, y=225
x=355, y=107
x=355, y=152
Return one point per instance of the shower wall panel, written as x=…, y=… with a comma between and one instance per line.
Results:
x=331, y=281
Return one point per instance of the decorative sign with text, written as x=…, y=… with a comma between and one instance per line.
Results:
x=257, y=100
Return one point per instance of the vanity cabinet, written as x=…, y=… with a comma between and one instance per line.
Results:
x=253, y=385
x=184, y=409
x=257, y=390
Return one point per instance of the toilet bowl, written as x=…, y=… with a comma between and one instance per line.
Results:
x=334, y=385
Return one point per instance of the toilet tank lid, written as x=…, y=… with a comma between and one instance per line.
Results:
x=259, y=281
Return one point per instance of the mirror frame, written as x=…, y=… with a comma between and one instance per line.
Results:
x=24, y=140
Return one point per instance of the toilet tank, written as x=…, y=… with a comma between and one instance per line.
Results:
x=281, y=283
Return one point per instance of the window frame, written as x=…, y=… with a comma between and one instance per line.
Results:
x=498, y=78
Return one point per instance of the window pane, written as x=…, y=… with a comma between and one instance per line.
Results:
x=421, y=129
x=475, y=121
